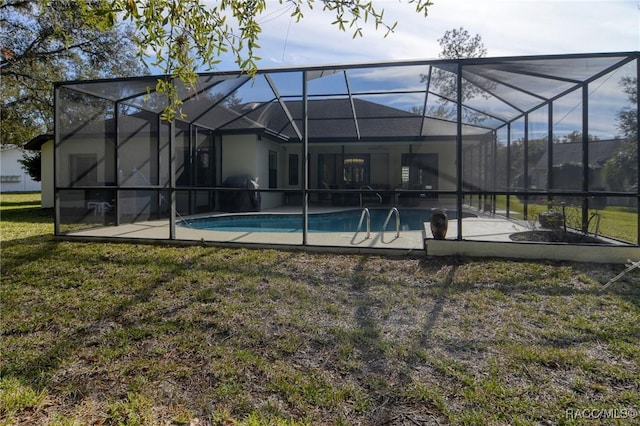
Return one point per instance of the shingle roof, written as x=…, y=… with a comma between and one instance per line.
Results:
x=599, y=152
x=334, y=120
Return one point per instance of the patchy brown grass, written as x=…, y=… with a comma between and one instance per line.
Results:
x=135, y=334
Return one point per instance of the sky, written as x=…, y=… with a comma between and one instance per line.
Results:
x=507, y=28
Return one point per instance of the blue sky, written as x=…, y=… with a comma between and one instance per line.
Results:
x=507, y=27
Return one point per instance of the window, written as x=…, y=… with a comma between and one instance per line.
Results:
x=293, y=169
x=420, y=171
x=205, y=158
x=348, y=170
x=273, y=169
x=405, y=175
x=356, y=169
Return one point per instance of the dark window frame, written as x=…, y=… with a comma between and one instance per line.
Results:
x=273, y=169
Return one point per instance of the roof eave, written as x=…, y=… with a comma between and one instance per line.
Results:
x=36, y=143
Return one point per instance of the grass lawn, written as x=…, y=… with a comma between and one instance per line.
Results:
x=148, y=334
x=616, y=222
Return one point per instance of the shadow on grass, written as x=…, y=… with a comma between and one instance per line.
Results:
x=21, y=203
x=366, y=338
x=28, y=215
x=382, y=367
x=37, y=370
x=19, y=252
x=426, y=340
x=571, y=327
x=522, y=280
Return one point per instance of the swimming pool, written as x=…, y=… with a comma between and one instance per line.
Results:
x=342, y=221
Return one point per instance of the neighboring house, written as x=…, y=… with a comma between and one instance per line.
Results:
x=571, y=153
x=13, y=178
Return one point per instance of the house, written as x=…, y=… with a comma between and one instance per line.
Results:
x=396, y=149
x=333, y=136
x=13, y=178
x=570, y=153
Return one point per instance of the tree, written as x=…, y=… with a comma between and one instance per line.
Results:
x=536, y=149
x=30, y=162
x=459, y=44
x=456, y=44
x=621, y=170
x=43, y=44
x=229, y=101
x=183, y=36
x=576, y=136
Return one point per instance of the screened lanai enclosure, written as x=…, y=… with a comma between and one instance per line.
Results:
x=513, y=150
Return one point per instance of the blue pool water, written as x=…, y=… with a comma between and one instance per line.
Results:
x=343, y=221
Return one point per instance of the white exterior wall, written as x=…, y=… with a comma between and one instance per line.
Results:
x=239, y=155
x=249, y=154
x=47, y=174
x=137, y=157
x=284, y=165
x=14, y=178
x=271, y=199
x=80, y=146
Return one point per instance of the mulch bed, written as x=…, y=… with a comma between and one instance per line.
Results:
x=555, y=237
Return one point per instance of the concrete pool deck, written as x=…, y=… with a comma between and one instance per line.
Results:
x=484, y=236
x=474, y=228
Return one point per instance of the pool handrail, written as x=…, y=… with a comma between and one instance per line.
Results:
x=386, y=222
x=370, y=188
x=365, y=212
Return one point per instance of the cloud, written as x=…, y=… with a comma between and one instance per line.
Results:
x=525, y=27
